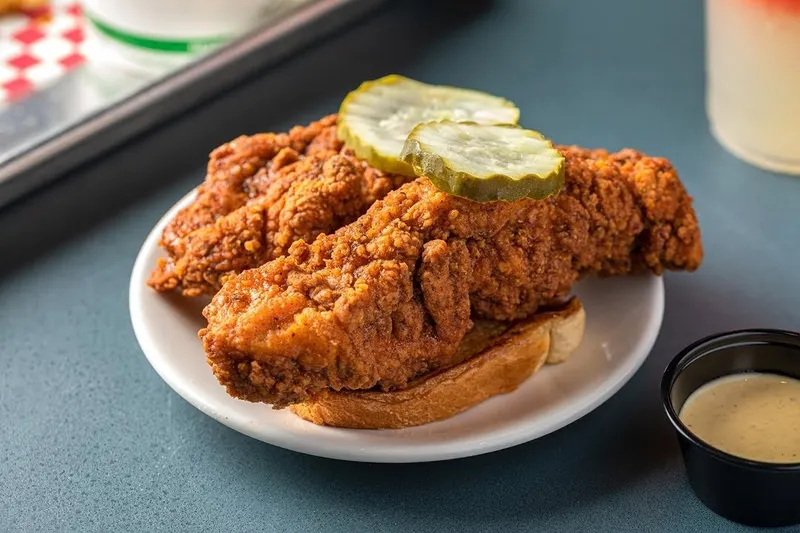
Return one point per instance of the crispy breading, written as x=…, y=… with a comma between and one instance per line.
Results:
x=263, y=193
x=388, y=297
x=236, y=168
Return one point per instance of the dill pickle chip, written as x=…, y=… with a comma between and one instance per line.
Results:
x=485, y=162
x=375, y=119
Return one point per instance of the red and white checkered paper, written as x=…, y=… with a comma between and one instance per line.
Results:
x=37, y=47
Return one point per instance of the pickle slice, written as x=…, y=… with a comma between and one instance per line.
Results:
x=485, y=162
x=375, y=119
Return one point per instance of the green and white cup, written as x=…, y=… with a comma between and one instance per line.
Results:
x=158, y=34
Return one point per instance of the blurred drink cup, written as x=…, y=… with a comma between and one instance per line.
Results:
x=753, y=80
x=156, y=34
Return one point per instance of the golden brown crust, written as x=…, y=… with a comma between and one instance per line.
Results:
x=497, y=358
x=266, y=191
x=263, y=193
x=380, y=301
x=238, y=169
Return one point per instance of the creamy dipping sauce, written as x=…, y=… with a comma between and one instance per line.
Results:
x=755, y=416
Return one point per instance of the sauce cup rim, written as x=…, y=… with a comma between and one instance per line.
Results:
x=676, y=366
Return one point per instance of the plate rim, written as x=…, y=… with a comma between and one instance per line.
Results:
x=430, y=452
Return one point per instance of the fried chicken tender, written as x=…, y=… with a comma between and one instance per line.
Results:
x=247, y=160
x=388, y=297
x=263, y=193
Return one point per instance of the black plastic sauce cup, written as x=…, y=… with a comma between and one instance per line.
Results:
x=749, y=492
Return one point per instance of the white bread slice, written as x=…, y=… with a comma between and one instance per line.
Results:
x=496, y=358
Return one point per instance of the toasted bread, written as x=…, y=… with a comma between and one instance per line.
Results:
x=495, y=358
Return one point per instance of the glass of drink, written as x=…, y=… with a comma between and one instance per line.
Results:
x=753, y=80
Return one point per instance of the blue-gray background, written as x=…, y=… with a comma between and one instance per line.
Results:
x=91, y=438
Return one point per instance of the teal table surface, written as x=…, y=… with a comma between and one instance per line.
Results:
x=91, y=439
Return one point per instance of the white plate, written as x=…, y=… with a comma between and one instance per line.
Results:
x=623, y=319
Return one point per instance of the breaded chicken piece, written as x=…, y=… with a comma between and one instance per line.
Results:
x=241, y=169
x=390, y=296
x=315, y=195
x=238, y=223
